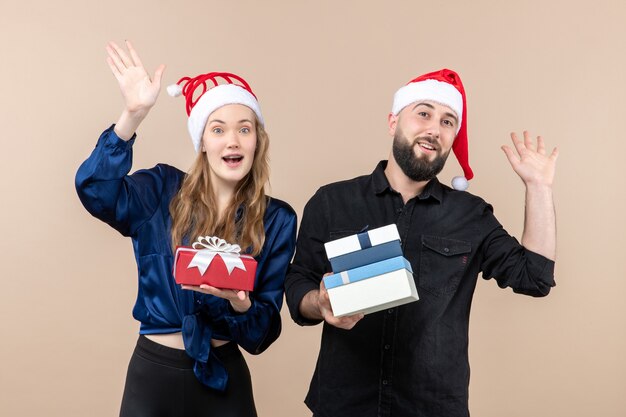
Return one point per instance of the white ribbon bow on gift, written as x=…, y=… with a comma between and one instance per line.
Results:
x=213, y=245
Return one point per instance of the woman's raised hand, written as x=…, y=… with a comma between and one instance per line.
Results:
x=140, y=92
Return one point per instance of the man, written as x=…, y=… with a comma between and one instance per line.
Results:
x=412, y=360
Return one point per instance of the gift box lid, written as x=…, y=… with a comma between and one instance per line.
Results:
x=203, y=266
x=367, y=271
x=360, y=241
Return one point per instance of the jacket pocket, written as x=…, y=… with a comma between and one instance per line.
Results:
x=442, y=263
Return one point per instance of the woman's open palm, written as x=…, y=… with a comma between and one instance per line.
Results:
x=139, y=91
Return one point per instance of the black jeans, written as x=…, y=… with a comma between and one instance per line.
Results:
x=160, y=383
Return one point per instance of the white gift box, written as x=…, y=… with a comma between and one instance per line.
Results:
x=371, y=288
x=364, y=248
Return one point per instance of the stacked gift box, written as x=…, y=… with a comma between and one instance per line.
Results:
x=369, y=272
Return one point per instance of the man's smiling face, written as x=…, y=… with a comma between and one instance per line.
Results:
x=423, y=134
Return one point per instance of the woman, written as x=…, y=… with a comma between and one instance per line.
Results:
x=187, y=360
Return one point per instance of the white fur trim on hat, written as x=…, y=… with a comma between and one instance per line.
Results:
x=431, y=90
x=213, y=99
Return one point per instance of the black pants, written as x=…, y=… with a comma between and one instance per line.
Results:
x=160, y=383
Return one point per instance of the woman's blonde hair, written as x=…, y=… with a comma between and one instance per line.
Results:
x=194, y=208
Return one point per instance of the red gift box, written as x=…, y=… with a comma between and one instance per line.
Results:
x=220, y=269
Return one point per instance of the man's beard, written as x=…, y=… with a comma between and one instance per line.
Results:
x=417, y=169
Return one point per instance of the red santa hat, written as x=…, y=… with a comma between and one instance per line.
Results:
x=443, y=87
x=202, y=99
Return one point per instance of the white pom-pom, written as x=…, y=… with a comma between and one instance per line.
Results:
x=174, y=90
x=460, y=183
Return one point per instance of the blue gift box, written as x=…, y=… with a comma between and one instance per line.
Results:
x=366, y=256
x=364, y=248
x=367, y=289
x=367, y=271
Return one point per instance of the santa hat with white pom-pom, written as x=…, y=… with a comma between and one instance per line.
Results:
x=203, y=99
x=443, y=87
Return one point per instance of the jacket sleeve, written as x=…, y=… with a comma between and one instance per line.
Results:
x=107, y=191
x=310, y=262
x=514, y=266
x=256, y=329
